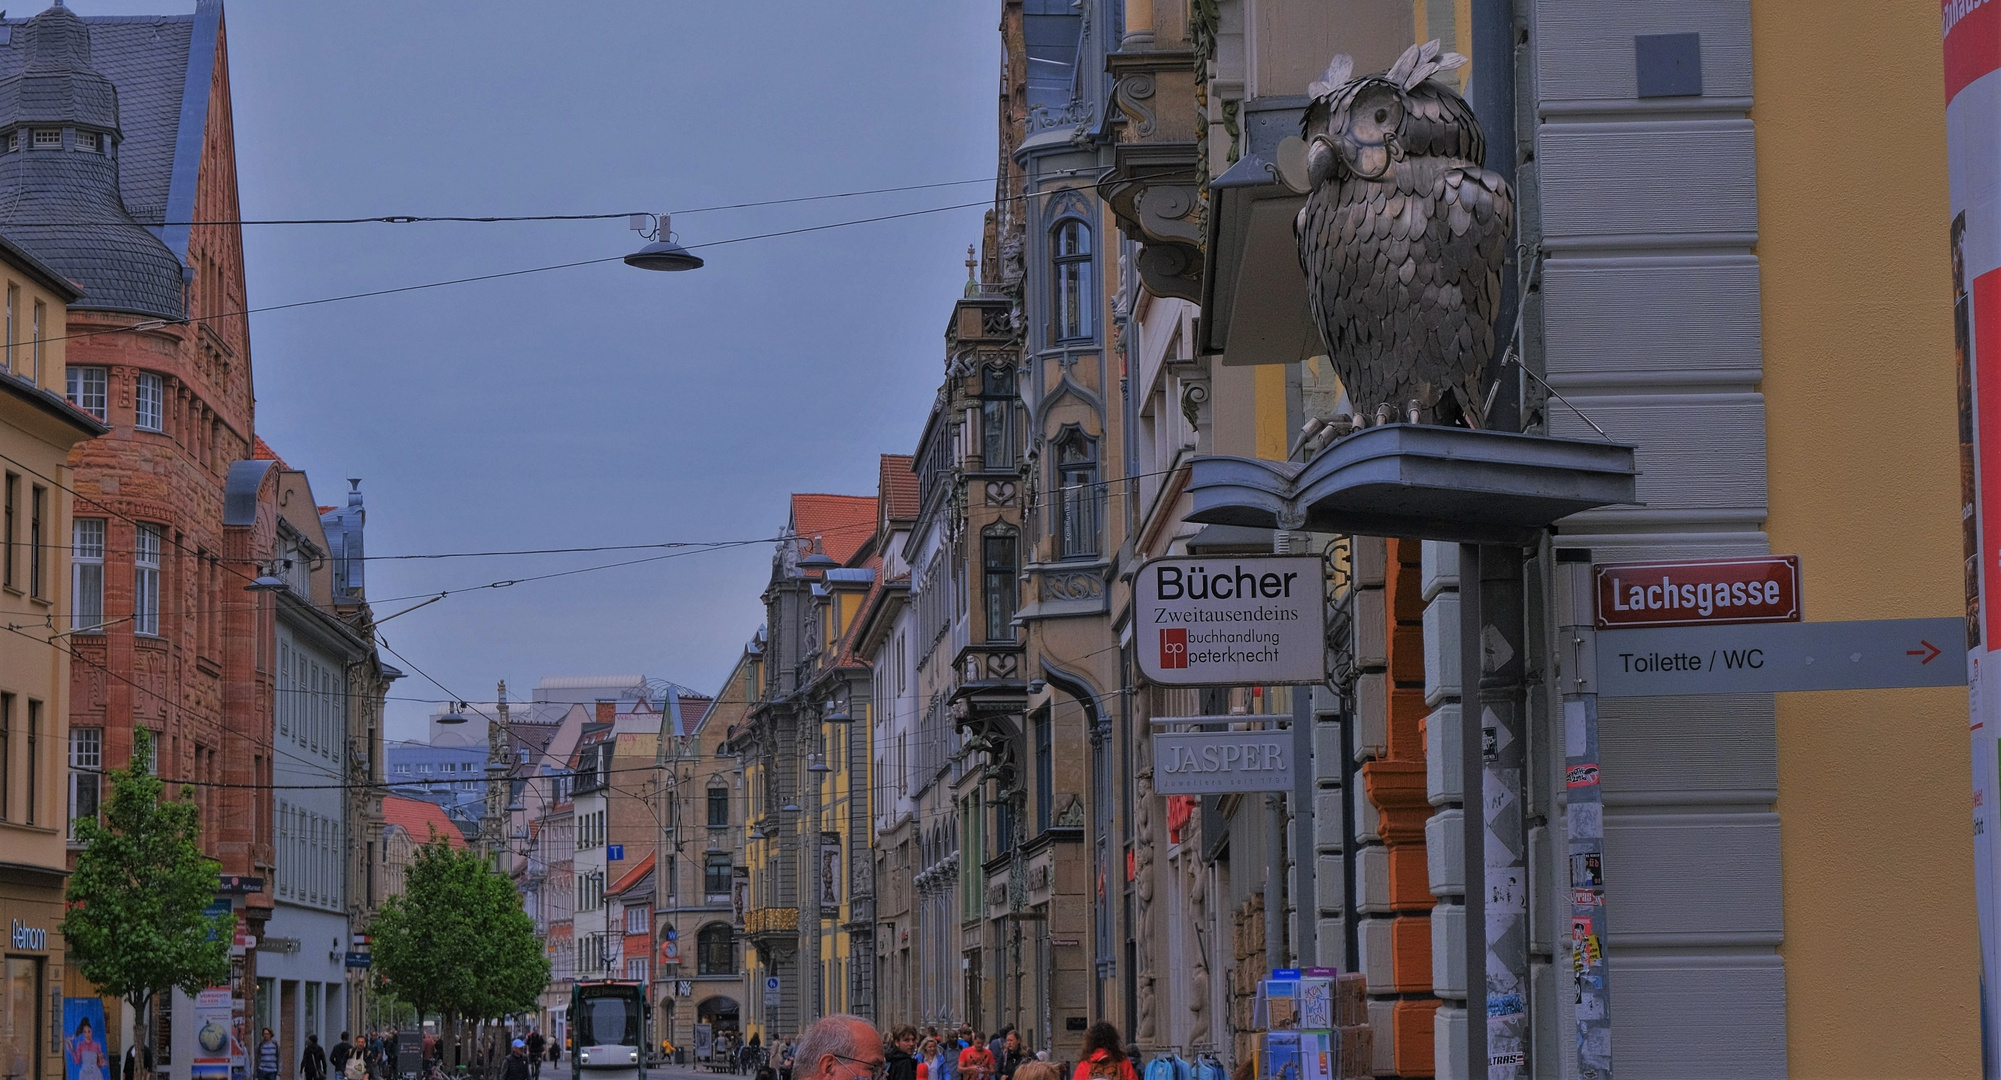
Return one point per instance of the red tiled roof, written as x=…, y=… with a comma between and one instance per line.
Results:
x=631, y=877
x=901, y=496
x=417, y=817
x=261, y=451
x=843, y=523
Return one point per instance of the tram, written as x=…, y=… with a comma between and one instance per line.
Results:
x=610, y=1029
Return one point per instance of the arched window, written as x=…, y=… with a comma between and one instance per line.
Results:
x=1070, y=277
x=1078, y=499
x=997, y=395
x=715, y=950
x=999, y=592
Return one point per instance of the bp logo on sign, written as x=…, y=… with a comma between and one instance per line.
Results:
x=1230, y=621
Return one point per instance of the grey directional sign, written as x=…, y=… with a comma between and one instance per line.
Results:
x=1775, y=657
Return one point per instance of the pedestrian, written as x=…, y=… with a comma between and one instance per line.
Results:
x=927, y=1058
x=138, y=1063
x=313, y=1063
x=846, y=1047
x=267, y=1057
x=898, y=1061
x=1102, y=1058
x=976, y=1062
x=1010, y=1056
x=536, y=1044
x=337, y=1057
x=516, y=1065
x=354, y=1064
x=785, y=1059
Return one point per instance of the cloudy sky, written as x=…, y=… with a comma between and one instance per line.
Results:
x=599, y=405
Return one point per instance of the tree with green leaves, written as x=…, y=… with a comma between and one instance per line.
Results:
x=456, y=941
x=139, y=923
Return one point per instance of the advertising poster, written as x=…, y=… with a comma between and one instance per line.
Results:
x=1972, y=44
x=211, y=1059
x=83, y=1040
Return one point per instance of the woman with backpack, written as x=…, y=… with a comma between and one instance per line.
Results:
x=1103, y=1056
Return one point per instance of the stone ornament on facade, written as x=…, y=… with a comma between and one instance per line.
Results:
x=1402, y=238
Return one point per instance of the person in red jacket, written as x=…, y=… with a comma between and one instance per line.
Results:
x=1103, y=1056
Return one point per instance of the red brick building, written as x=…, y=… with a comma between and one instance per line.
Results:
x=115, y=133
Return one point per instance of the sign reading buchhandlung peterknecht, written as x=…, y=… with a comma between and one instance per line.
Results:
x=1230, y=621
x=1705, y=592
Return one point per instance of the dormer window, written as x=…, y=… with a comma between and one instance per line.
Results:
x=48, y=138
x=13, y=141
x=86, y=141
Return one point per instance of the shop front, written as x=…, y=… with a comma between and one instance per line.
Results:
x=32, y=1039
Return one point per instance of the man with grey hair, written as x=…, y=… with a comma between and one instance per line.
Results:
x=839, y=1047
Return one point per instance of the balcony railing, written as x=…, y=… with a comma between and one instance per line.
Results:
x=771, y=920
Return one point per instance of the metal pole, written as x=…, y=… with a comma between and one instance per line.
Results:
x=1584, y=816
x=1473, y=834
x=1504, y=748
x=812, y=904
x=1493, y=101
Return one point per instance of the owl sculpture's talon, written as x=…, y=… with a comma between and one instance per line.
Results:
x=1386, y=413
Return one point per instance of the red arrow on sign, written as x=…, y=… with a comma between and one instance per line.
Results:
x=1929, y=656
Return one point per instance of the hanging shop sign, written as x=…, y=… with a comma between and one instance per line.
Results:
x=1218, y=762
x=1230, y=621
x=1704, y=592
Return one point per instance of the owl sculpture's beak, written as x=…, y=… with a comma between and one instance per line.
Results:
x=1366, y=160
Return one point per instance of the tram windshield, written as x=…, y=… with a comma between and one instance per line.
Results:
x=607, y=1020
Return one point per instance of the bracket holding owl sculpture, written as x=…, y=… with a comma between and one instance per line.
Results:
x=1403, y=238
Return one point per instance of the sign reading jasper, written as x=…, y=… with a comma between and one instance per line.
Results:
x=1230, y=621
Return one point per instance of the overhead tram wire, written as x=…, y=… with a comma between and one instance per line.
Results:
x=158, y=324
x=487, y=219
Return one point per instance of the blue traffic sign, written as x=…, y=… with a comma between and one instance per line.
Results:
x=615, y=852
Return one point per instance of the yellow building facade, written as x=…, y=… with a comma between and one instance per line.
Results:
x=38, y=789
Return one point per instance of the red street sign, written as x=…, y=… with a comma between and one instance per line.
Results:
x=1707, y=592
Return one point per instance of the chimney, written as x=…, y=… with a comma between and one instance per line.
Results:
x=607, y=710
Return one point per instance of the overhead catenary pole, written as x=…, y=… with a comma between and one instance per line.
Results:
x=1584, y=818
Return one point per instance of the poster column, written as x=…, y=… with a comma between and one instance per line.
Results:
x=1972, y=44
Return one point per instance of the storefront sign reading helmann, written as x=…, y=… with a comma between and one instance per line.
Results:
x=1704, y=593
x=1230, y=621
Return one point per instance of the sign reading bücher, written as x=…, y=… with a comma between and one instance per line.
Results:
x=1230, y=621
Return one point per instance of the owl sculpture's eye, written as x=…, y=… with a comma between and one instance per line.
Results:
x=1367, y=134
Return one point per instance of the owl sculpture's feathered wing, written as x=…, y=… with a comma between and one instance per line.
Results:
x=1403, y=237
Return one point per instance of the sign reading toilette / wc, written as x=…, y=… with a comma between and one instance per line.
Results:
x=1230, y=621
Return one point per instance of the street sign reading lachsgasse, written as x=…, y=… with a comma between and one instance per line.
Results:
x=1704, y=592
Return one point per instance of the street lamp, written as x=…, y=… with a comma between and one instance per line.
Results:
x=453, y=715
x=664, y=253
x=267, y=580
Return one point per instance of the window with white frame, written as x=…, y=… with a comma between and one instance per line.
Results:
x=86, y=764
x=86, y=141
x=1070, y=265
x=87, y=575
x=48, y=138
x=89, y=390
x=149, y=403
x=636, y=918
x=635, y=968
x=35, y=346
x=146, y=580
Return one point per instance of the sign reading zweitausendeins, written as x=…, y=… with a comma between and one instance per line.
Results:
x=1230, y=621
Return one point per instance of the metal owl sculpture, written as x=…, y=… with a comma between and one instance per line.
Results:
x=1402, y=239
